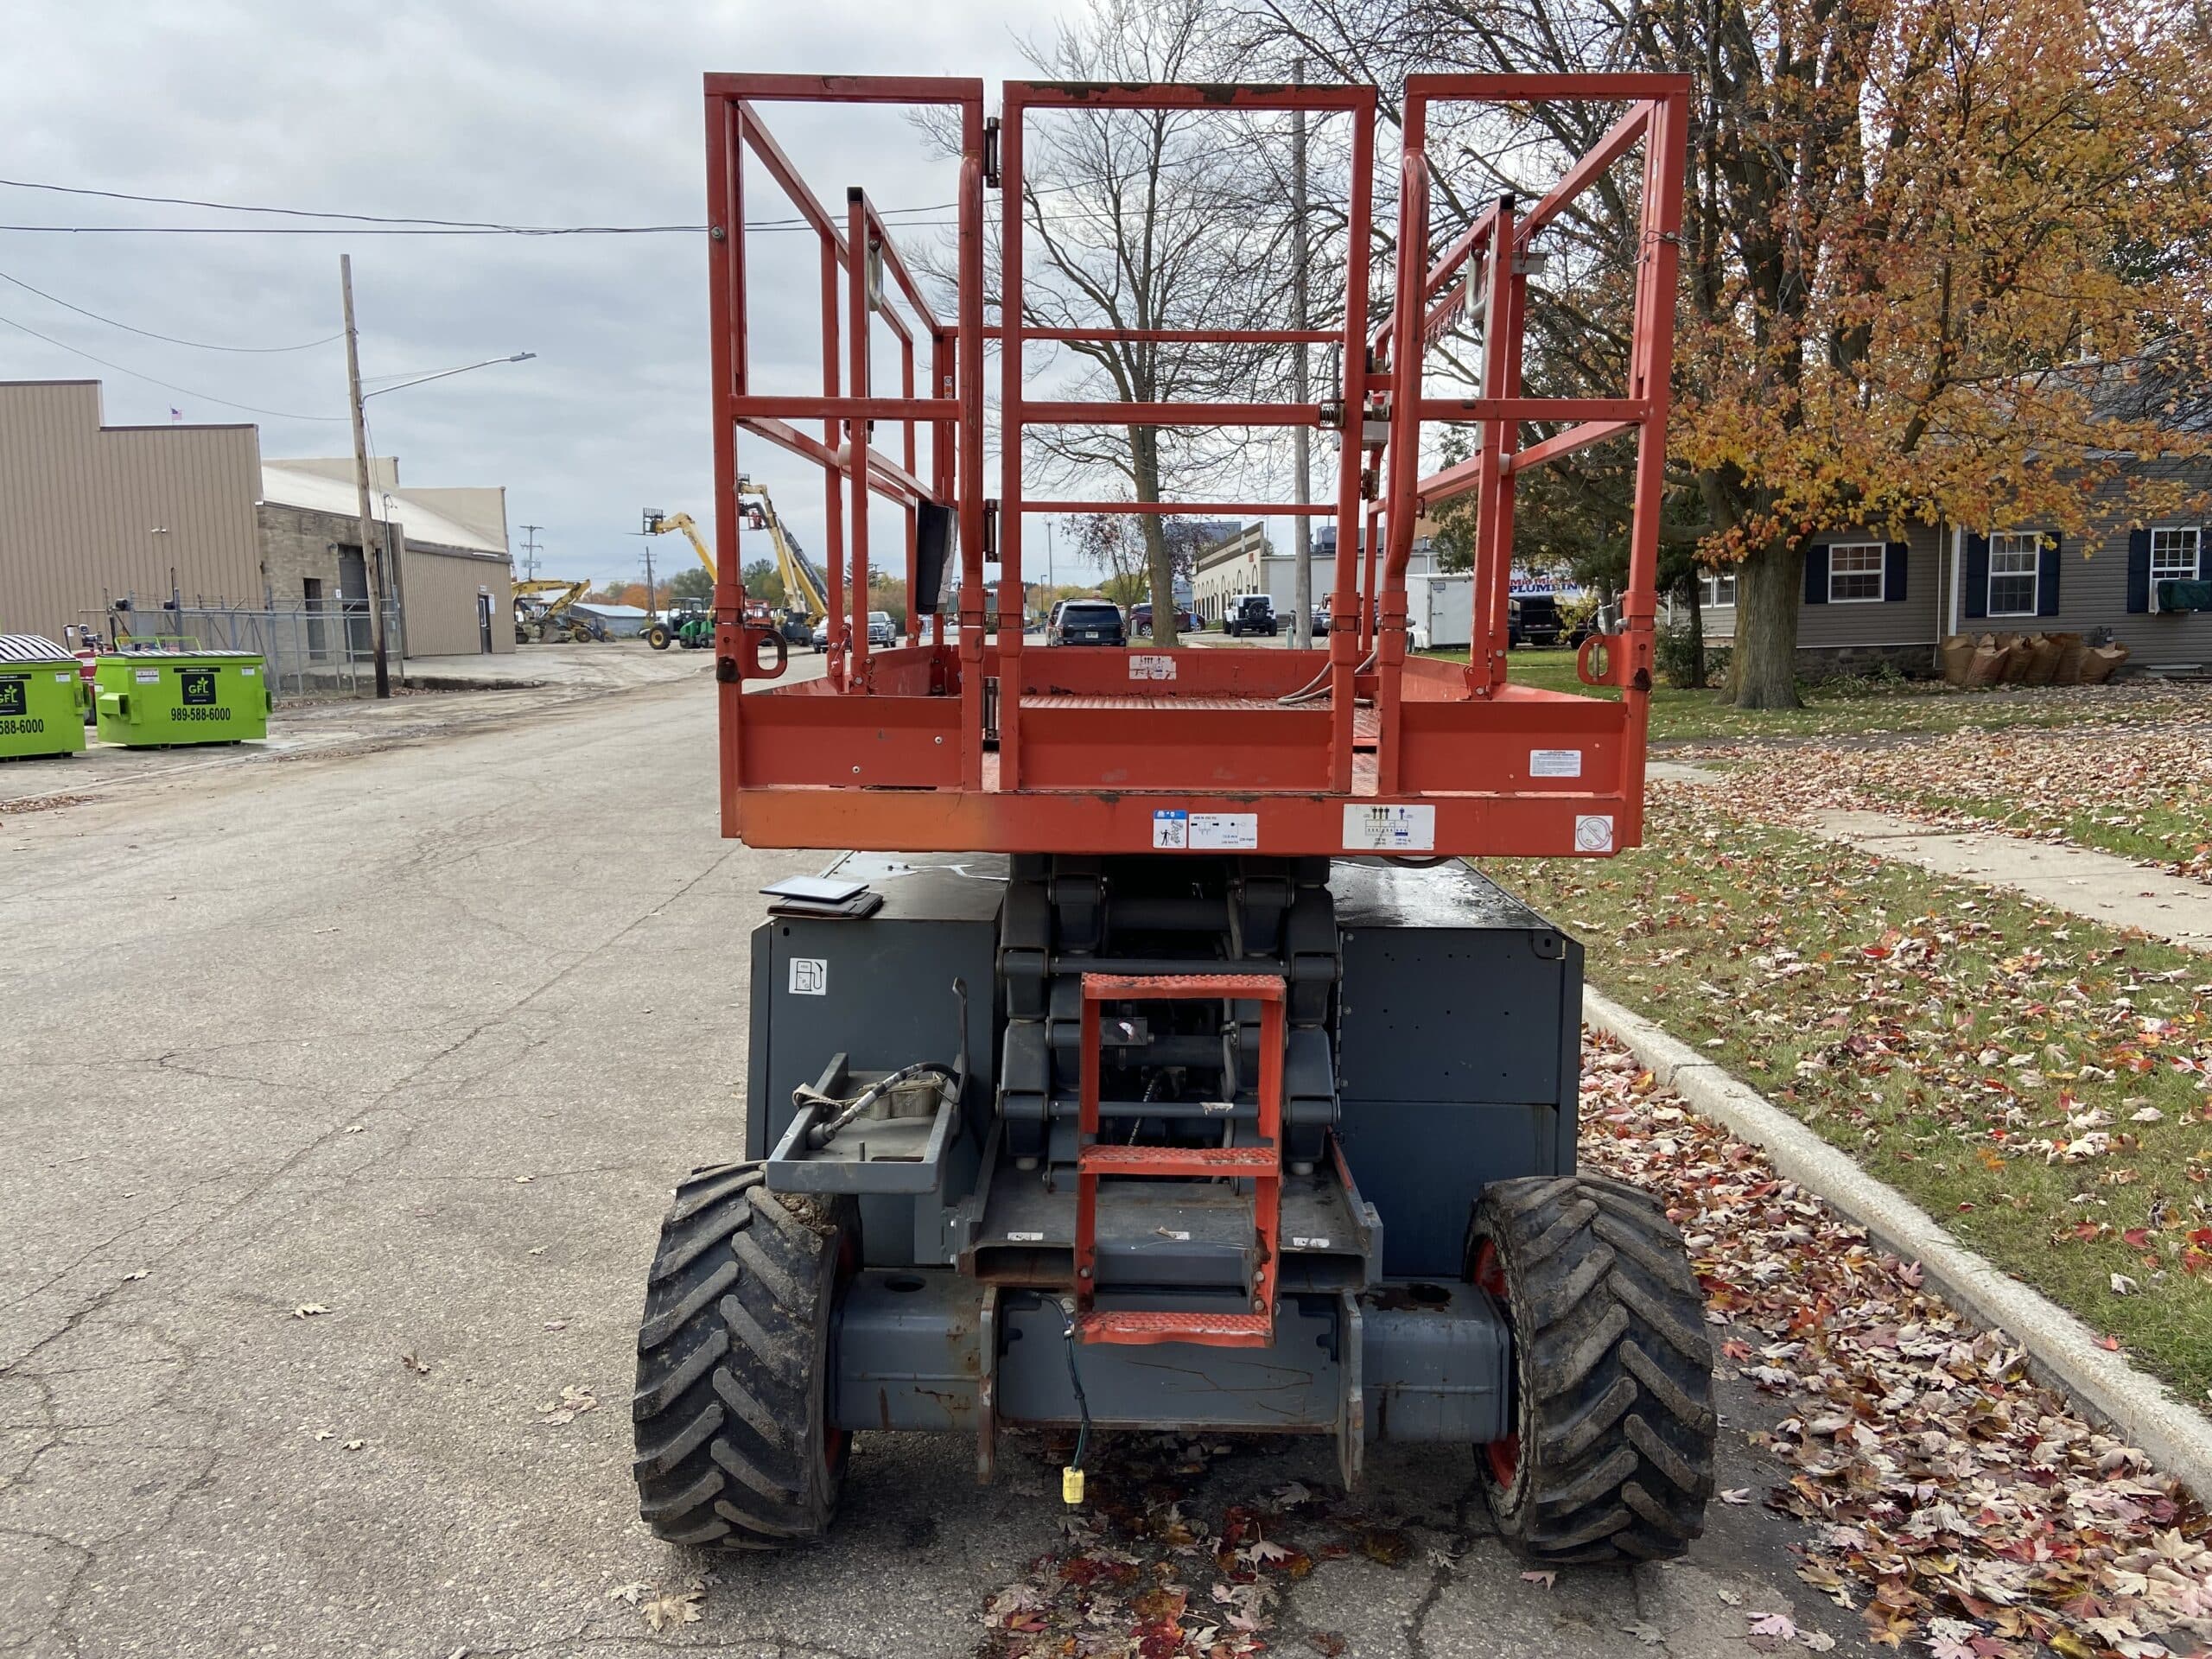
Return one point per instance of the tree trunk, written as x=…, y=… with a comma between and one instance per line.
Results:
x=1763, y=668
x=1144, y=452
x=1694, y=594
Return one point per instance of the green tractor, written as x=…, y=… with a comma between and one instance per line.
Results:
x=691, y=627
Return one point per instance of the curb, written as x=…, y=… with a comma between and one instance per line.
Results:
x=2062, y=1351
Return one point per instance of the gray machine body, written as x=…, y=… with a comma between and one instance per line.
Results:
x=1455, y=1029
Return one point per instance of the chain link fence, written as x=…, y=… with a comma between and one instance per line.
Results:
x=327, y=650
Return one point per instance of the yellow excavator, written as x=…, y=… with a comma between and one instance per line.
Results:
x=805, y=598
x=548, y=621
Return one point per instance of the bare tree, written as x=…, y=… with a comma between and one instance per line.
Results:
x=1137, y=220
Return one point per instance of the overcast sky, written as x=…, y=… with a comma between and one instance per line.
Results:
x=532, y=112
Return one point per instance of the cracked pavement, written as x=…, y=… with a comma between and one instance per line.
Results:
x=423, y=1035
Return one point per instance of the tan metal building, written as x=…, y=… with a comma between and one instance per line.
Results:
x=91, y=513
x=448, y=548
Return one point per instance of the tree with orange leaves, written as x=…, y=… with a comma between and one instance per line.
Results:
x=1944, y=260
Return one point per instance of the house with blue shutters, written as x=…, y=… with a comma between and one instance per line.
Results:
x=2145, y=582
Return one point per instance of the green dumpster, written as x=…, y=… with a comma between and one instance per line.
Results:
x=42, y=698
x=158, y=698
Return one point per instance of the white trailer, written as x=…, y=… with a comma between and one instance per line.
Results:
x=1440, y=611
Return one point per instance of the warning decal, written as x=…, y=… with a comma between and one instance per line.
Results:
x=1390, y=829
x=1593, y=833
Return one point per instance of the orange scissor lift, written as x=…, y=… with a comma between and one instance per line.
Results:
x=1144, y=1156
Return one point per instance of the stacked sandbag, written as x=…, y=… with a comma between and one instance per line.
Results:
x=1986, y=665
x=2100, y=662
x=2046, y=652
x=1958, y=653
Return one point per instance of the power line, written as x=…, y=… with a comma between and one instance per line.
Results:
x=224, y=403
x=198, y=345
x=362, y=218
x=401, y=224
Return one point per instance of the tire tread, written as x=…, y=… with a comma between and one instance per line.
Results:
x=1613, y=1369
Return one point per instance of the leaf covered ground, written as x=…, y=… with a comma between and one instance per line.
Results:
x=1853, y=708
x=2143, y=791
x=1951, y=1505
x=2042, y=1083
x=1955, y=1505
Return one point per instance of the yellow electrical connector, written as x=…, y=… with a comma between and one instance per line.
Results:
x=1070, y=1485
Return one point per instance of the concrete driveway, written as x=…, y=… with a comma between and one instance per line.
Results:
x=339, y=1100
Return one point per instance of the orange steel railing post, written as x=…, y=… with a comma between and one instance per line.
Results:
x=1404, y=453
x=906, y=385
x=833, y=486
x=1491, y=581
x=969, y=363
x=726, y=358
x=858, y=311
x=1347, y=649
x=1011, y=604
x=1664, y=147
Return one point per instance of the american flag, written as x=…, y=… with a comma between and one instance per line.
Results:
x=177, y=413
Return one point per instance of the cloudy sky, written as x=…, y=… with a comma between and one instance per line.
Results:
x=548, y=112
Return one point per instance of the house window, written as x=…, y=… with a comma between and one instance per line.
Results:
x=2015, y=556
x=1855, y=572
x=1719, y=592
x=2173, y=556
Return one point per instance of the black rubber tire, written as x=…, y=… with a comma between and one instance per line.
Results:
x=734, y=1448
x=1613, y=1373
x=658, y=637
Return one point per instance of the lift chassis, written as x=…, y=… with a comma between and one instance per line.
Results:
x=1159, y=1061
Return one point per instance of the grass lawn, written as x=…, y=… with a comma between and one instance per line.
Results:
x=2037, y=1082
x=1851, y=708
x=2140, y=792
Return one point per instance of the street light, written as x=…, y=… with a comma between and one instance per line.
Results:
x=520, y=357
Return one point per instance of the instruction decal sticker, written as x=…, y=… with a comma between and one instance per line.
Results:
x=810, y=976
x=1390, y=829
x=1224, y=832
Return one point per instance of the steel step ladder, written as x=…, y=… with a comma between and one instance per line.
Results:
x=1261, y=1165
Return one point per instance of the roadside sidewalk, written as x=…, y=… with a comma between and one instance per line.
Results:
x=2100, y=887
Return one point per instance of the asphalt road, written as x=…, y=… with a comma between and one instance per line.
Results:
x=419, y=1035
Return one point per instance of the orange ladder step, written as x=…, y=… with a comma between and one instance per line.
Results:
x=1194, y=1163
x=1135, y=1326
x=1261, y=1164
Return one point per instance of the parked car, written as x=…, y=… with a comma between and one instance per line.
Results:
x=1535, y=619
x=1251, y=613
x=1321, y=617
x=880, y=629
x=1085, y=622
x=1140, y=621
x=820, y=637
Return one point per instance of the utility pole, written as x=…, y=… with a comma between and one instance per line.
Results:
x=1301, y=627
x=529, y=553
x=652, y=601
x=371, y=553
